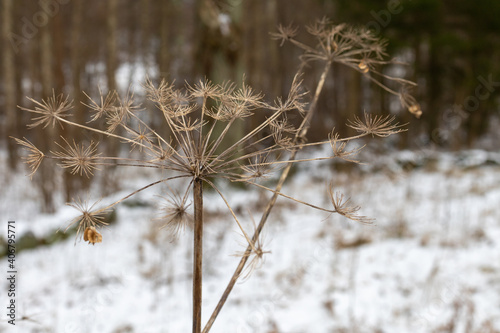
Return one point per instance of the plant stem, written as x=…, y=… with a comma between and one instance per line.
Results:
x=301, y=133
x=197, y=253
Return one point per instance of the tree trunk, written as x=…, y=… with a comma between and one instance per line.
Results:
x=45, y=137
x=165, y=41
x=354, y=97
x=110, y=183
x=111, y=44
x=9, y=83
x=145, y=35
x=74, y=183
x=76, y=63
x=163, y=59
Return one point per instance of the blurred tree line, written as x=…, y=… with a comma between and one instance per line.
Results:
x=70, y=46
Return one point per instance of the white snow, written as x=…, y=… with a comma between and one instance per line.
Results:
x=433, y=258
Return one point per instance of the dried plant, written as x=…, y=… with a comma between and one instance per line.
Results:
x=50, y=110
x=360, y=50
x=89, y=219
x=35, y=156
x=256, y=252
x=79, y=159
x=376, y=125
x=342, y=207
x=199, y=117
x=175, y=215
x=357, y=48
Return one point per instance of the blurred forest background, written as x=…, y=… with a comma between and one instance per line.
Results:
x=69, y=46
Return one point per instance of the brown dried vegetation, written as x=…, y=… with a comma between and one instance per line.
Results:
x=194, y=114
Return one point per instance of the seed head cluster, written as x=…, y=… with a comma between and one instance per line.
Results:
x=199, y=118
x=354, y=47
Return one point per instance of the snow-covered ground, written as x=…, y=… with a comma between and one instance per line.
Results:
x=430, y=264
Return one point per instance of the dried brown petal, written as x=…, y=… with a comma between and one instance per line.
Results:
x=363, y=67
x=415, y=109
x=92, y=236
x=88, y=218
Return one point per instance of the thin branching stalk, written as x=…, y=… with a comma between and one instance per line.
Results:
x=301, y=133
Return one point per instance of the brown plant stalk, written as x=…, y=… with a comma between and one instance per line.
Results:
x=198, y=253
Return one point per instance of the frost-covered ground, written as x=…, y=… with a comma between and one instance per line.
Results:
x=431, y=263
